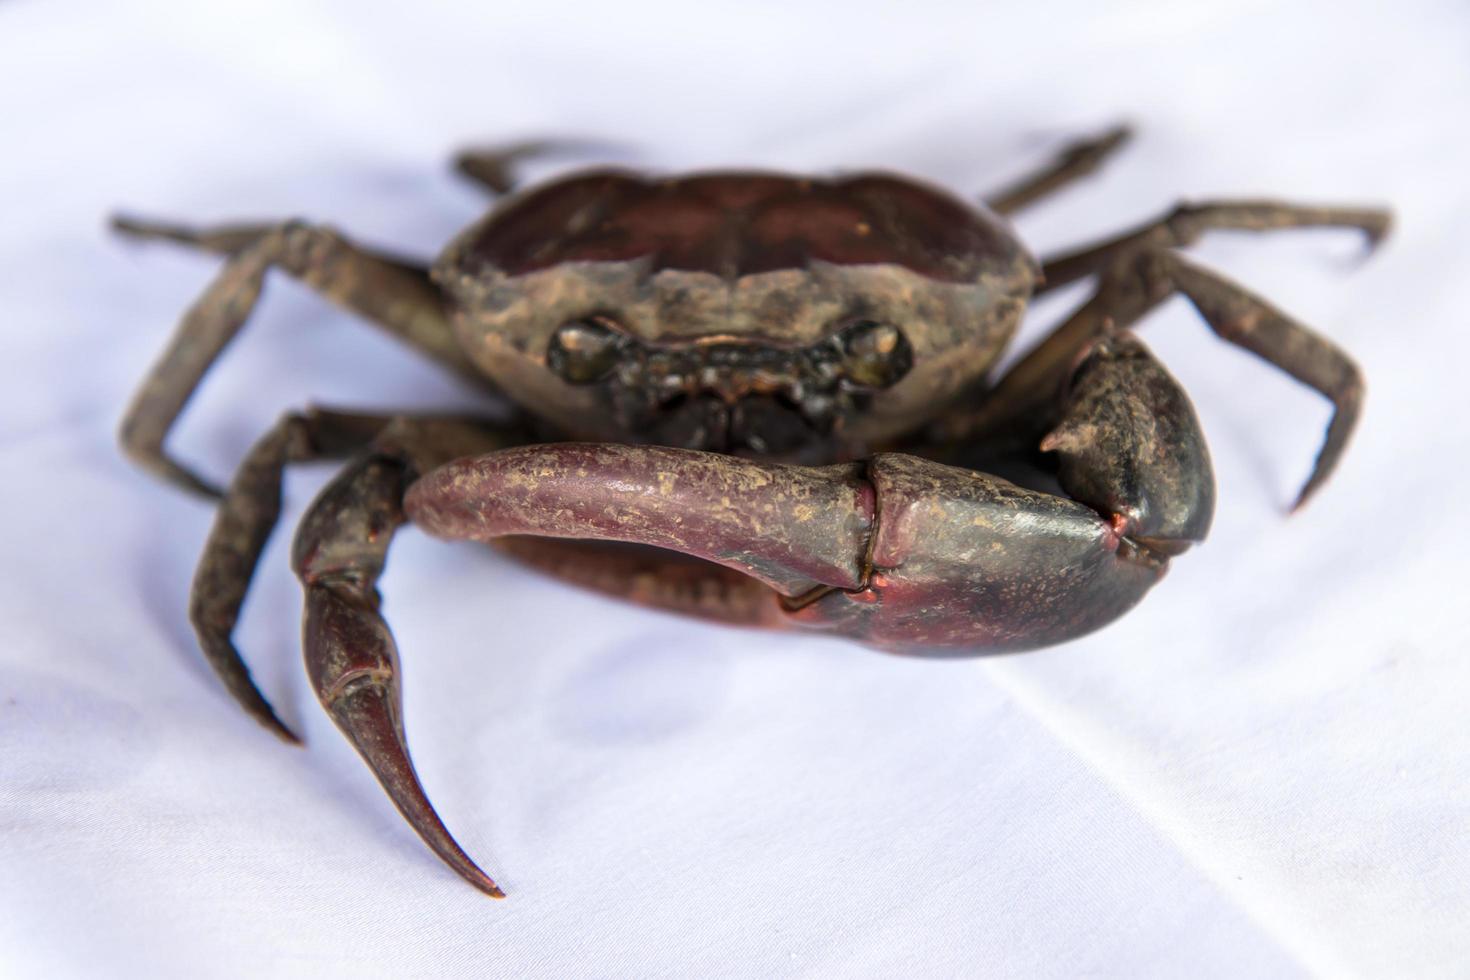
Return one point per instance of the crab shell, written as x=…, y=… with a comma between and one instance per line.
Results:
x=748, y=258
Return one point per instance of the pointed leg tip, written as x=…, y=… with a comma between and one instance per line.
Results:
x=260, y=709
x=143, y=229
x=1117, y=135
x=1308, y=491
x=449, y=851
x=1339, y=431
x=189, y=481
x=135, y=227
x=148, y=455
x=279, y=729
x=1094, y=149
x=219, y=651
x=1377, y=234
x=367, y=713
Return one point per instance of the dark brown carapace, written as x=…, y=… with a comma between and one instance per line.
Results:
x=736, y=311
x=754, y=397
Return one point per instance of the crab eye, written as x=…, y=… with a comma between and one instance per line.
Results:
x=875, y=355
x=584, y=351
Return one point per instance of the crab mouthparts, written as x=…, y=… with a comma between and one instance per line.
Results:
x=769, y=425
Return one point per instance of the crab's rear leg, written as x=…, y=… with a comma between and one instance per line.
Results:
x=1075, y=161
x=494, y=167
x=1186, y=224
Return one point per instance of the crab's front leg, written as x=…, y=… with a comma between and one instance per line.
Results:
x=339, y=552
x=899, y=551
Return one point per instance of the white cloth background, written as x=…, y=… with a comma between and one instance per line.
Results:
x=1261, y=771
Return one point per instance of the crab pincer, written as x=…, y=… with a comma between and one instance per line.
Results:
x=898, y=550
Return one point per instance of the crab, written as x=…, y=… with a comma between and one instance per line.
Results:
x=759, y=398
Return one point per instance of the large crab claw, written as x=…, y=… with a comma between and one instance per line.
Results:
x=901, y=552
x=898, y=551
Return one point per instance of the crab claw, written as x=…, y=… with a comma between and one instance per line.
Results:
x=899, y=551
x=962, y=560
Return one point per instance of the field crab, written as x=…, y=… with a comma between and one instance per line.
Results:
x=754, y=397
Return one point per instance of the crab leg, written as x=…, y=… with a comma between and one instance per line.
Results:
x=252, y=504
x=396, y=295
x=1021, y=399
x=350, y=654
x=1075, y=161
x=493, y=167
x=242, y=524
x=1187, y=224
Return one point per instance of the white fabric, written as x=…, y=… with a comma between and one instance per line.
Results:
x=1261, y=771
